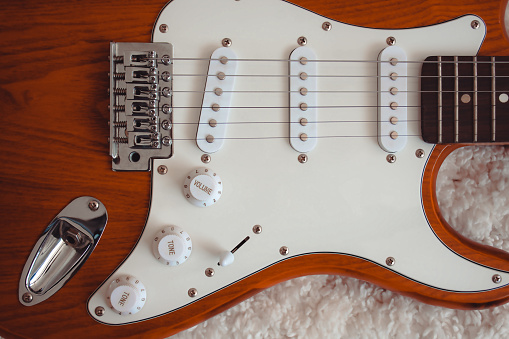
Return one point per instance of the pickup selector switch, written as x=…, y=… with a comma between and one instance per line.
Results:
x=203, y=187
x=126, y=295
x=172, y=246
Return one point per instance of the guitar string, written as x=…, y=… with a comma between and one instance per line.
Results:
x=343, y=60
x=328, y=76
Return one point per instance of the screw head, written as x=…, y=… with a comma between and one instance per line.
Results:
x=420, y=153
x=163, y=28
x=497, y=279
x=303, y=158
x=27, y=297
x=162, y=169
x=391, y=41
x=206, y=158
x=209, y=272
x=99, y=311
x=257, y=229
x=193, y=292
x=93, y=205
x=284, y=250
x=391, y=158
x=226, y=42
x=475, y=24
x=302, y=41
x=166, y=141
x=390, y=261
x=165, y=124
x=326, y=26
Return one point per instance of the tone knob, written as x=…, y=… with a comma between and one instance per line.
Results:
x=203, y=187
x=126, y=295
x=172, y=246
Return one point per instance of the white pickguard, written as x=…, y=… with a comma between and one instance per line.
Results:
x=346, y=199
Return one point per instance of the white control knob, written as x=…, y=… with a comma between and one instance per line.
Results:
x=203, y=187
x=172, y=246
x=126, y=295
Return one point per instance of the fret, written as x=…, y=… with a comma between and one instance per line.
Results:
x=456, y=100
x=493, y=100
x=475, y=99
x=439, y=99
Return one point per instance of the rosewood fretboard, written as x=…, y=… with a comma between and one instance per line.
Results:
x=465, y=99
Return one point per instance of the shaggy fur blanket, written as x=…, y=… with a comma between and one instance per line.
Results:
x=473, y=192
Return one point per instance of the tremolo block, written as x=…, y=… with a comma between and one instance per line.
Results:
x=140, y=104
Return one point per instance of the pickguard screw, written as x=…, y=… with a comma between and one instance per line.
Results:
x=326, y=26
x=284, y=250
x=99, y=311
x=257, y=229
x=419, y=153
x=162, y=170
x=475, y=24
x=391, y=41
x=209, y=272
x=303, y=158
x=390, y=261
x=163, y=28
x=391, y=158
x=93, y=205
x=302, y=41
x=206, y=158
x=227, y=42
x=166, y=141
x=27, y=297
x=497, y=279
x=193, y=292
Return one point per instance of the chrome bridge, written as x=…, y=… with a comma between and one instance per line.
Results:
x=140, y=104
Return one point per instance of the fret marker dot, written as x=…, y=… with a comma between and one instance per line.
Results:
x=465, y=98
x=503, y=98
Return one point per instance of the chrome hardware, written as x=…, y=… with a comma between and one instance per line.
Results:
x=62, y=249
x=193, y=292
x=326, y=26
x=163, y=28
x=206, y=158
x=390, y=261
x=302, y=41
x=303, y=158
x=99, y=311
x=209, y=272
x=257, y=229
x=226, y=42
x=391, y=158
x=497, y=279
x=420, y=153
x=475, y=24
x=162, y=170
x=284, y=250
x=391, y=41
x=140, y=89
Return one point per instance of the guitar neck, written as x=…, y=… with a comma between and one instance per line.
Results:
x=465, y=99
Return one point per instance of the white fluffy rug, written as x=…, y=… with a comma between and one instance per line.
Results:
x=473, y=191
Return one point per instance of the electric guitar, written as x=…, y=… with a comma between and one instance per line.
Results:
x=276, y=143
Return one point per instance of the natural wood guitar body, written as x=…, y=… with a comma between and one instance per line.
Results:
x=54, y=136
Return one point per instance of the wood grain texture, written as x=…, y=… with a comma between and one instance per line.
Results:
x=53, y=92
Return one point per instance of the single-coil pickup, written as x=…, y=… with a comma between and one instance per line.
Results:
x=303, y=70
x=392, y=99
x=216, y=103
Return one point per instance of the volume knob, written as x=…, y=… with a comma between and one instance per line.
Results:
x=203, y=187
x=172, y=246
x=126, y=295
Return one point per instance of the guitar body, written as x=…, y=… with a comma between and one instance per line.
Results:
x=347, y=210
